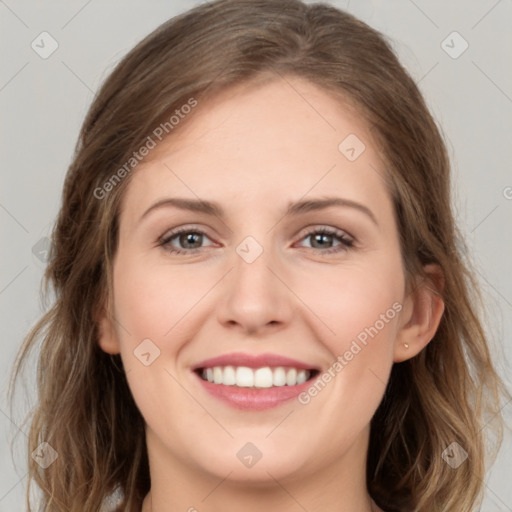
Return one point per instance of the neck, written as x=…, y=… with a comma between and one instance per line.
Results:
x=339, y=487
x=147, y=506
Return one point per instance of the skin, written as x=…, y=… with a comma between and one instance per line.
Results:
x=253, y=149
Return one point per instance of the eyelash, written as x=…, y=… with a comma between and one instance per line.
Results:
x=346, y=242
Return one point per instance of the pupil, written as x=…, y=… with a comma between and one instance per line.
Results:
x=321, y=236
x=189, y=237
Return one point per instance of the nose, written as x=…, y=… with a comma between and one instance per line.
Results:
x=255, y=297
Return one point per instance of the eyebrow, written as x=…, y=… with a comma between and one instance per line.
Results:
x=293, y=208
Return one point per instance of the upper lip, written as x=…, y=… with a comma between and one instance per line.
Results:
x=252, y=361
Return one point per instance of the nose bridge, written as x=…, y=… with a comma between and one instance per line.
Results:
x=255, y=297
x=252, y=276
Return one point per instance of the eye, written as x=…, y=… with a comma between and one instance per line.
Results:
x=323, y=237
x=190, y=240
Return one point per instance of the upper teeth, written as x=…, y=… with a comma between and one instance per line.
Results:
x=265, y=377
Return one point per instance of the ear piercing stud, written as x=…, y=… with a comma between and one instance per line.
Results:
x=406, y=345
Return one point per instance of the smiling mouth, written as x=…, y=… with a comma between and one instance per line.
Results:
x=256, y=378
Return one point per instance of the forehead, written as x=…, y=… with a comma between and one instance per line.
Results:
x=289, y=109
x=274, y=139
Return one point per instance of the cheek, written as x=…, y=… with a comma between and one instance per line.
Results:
x=360, y=310
x=151, y=300
x=151, y=304
x=361, y=306
x=357, y=302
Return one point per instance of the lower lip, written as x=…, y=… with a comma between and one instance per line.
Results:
x=256, y=399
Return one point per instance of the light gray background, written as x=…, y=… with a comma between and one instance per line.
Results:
x=43, y=102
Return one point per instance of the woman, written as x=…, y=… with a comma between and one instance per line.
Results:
x=260, y=369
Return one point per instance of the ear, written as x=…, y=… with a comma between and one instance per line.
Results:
x=422, y=313
x=107, y=336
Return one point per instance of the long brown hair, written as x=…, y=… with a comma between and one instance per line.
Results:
x=85, y=410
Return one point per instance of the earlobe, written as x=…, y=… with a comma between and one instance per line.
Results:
x=107, y=336
x=421, y=316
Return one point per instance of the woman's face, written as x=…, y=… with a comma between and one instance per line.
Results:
x=275, y=275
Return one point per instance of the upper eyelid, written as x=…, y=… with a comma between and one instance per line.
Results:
x=182, y=229
x=319, y=227
x=301, y=234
